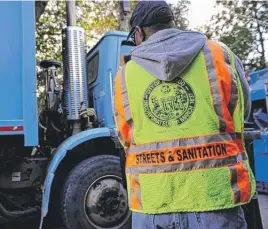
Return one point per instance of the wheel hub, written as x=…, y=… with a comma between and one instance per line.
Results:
x=109, y=201
x=106, y=203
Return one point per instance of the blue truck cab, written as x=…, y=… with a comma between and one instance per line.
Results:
x=103, y=62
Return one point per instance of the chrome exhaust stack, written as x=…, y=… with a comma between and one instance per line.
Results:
x=74, y=66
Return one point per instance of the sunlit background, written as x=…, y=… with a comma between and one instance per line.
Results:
x=200, y=11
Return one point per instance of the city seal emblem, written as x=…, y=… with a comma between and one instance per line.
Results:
x=169, y=103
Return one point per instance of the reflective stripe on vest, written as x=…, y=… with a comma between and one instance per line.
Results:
x=234, y=92
x=240, y=183
x=184, y=154
x=216, y=69
x=122, y=114
x=184, y=142
x=128, y=117
x=164, y=159
x=135, y=192
x=239, y=105
x=224, y=149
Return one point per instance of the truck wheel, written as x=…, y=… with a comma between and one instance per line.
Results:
x=93, y=196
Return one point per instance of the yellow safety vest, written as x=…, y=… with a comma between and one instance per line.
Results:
x=184, y=139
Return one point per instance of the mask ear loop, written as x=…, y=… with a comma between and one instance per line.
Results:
x=143, y=35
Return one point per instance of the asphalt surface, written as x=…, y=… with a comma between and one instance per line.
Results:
x=263, y=203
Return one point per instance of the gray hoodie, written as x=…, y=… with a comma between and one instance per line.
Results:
x=167, y=53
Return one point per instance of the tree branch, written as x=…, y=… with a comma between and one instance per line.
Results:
x=39, y=9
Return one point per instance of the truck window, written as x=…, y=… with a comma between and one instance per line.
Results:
x=92, y=68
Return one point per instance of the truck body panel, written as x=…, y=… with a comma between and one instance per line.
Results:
x=18, y=101
x=257, y=84
x=261, y=159
x=259, y=98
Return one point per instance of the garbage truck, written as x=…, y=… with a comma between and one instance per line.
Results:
x=259, y=116
x=62, y=162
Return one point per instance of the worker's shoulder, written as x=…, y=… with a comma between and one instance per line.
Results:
x=220, y=47
x=217, y=44
x=123, y=67
x=130, y=65
x=220, y=44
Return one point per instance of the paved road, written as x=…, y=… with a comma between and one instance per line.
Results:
x=263, y=202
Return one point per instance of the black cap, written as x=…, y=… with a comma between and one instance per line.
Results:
x=147, y=13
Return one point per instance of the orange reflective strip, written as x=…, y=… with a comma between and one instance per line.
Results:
x=123, y=141
x=243, y=182
x=186, y=166
x=185, y=154
x=128, y=116
x=224, y=82
x=240, y=145
x=234, y=91
x=179, y=142
x=233, y=181
x=214, y=90
x=135, y=200
x=122, y=125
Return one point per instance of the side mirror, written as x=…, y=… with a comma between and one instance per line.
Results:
x=128, y=43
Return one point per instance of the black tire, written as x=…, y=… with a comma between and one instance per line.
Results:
x=86, y=178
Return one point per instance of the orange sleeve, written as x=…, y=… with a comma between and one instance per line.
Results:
x=119, y=112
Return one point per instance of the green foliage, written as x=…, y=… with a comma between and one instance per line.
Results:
x=48, y=31
x=243, y=27
x=96, y=17
x=133, y=4
x=240, y=41
x=180, y=11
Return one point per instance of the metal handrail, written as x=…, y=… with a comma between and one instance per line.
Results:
x=252, y=135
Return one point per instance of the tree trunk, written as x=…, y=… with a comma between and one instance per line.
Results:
x=261, y=40
x=124, y=12
x=263, y=61
x=39, y=9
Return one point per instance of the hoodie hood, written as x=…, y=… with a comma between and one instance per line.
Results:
x=167, y=53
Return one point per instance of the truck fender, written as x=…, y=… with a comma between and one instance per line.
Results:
x=60, y=153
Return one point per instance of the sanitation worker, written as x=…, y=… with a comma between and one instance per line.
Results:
x=180, y=104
